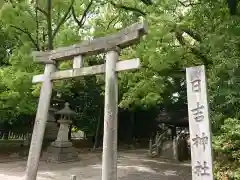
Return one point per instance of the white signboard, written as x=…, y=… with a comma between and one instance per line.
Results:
x=199, y=124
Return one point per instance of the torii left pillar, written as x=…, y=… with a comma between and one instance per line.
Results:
x=40, y=123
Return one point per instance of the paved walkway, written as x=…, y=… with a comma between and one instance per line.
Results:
x=131, y=166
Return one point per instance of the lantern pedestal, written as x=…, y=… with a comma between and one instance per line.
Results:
x=61, y=150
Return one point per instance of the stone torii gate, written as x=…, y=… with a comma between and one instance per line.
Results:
x=111, y=45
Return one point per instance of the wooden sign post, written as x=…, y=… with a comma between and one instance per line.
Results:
x=199, y=124
x=111, y=45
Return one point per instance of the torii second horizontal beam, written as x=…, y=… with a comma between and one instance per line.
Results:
x=98, y=69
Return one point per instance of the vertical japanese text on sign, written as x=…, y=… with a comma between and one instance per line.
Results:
x=198, y=113
x=199, y=124
x=200, y=141
x=201, y=170
x=196, y=80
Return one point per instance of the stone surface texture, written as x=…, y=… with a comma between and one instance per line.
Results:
x=167, y=149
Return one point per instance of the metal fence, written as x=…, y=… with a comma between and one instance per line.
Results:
x=14, y=135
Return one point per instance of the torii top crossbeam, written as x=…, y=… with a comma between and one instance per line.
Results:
x=122, y=39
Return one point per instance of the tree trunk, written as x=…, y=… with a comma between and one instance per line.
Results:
x=173, y=132
x=70, y=133
x=97, y=130
x=5, y=135
x=49, y=25
x=131, y=130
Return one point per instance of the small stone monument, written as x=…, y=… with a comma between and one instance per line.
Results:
x=61, y=150
x=51, y=130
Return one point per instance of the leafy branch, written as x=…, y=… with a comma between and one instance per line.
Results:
x=64, y=18
x=194, y=50
x=147, y=2
x=109, y=24
x=42, y=11
x=84, y=15
x=29, y=36
x=11, y=2
x=127, y=8
x=192, y=33
x=185, y=4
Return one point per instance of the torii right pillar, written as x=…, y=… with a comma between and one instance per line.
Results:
x=109, y=156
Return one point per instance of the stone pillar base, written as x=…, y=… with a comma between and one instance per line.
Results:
x=60, y=152
x=167, y=150
x=61, y=144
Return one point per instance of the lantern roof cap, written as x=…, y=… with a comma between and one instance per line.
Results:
x=66, y=110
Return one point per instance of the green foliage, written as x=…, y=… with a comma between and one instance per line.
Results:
x=142, y=90
x=16, y=96
x=227, y=148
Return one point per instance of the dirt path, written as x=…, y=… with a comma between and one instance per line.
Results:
x=131, y=165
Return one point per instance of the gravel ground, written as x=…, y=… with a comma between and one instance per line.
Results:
x=132, y=165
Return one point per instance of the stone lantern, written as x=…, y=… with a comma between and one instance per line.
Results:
x=65, y=121
x=61, y=150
